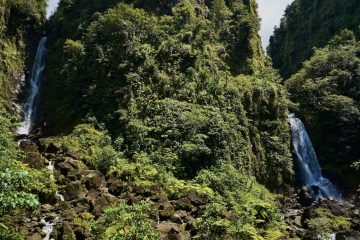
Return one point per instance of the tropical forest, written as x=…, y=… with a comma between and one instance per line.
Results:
x=168, y=120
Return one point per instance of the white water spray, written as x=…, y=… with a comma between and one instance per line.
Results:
x=48, y=227
x=30, y=107
x=308, y=167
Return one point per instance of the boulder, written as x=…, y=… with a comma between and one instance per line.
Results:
x=28, y=146
x=168, y=227
x=74, y=155
x=304, y=197
x=68, y=232
x=183, y=204
x=64, y=167
x=177, y=236
x=166, y=210
x=34, y=160
x=116, y=186
x=99, y=203
x=47, y=208
x=195, y=198
x=93, y=179
x=36, y=236
x=307, y=214
x=348, y=235
x=74, y=190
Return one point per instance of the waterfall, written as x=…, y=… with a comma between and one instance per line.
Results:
x=30, y=107
x=308, y=168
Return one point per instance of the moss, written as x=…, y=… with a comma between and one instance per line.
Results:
x=323, y=218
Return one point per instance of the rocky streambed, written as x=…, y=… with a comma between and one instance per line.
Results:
x=84, y=193
x=307, y=218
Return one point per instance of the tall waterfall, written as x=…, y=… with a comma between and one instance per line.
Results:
x=30, y=107
x=308, y=168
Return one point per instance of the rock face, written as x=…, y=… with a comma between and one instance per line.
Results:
x=348, y=235
x=343, y=216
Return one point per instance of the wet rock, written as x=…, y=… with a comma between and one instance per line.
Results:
x=28, y=146
x=47, y=208
x=166, y=210
x=74, y=155
x=74, y=190
x=68, y=232
x=305, y=198
x=348, y=235
x=168, y=227
x=64, y=167
x=99, y=203
x=93, y=179
x=307, y=214
x=183, y=204
x=177, y=236
x=336, y=209
x=82, y=233
x=52, y=147
x=116, y=187
x=35, y=160
x=36, y=236
x=195, y=198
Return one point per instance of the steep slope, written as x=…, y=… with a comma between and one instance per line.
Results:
x=131, y=68
x=20, y=23
x=308, y=24
x=327, y=91
x=167, y=99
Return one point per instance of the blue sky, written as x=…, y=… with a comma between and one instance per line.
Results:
x=270, y=12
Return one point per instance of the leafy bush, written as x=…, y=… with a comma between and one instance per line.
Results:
x=94, y=146
x=123, y=222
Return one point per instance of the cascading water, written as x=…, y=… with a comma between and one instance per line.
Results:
x=30, y=107
x=308, y=168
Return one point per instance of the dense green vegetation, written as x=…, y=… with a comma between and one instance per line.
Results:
x=170, y=91
x=155, y=109
x=156, y=95
x=308, y=24
x=20, y=21
x=327, y=91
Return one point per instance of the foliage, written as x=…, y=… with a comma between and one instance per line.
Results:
x=327, y=91
x=308, y=24
x=19, y=19
x=7, y=234
x=170, y=91
x=324, y=223
x=123, y=222
x=19, y=185
x=243, y=210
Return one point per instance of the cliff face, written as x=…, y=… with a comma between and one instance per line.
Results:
x=127, y=67
x=20, y=24
x=308, y=24
x=233, y=25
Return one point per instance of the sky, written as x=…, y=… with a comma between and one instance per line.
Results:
x=270, y=11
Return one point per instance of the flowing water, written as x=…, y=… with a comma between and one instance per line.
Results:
x=308, y=168
x=29, y=115
x=30, y=107
x=48, y=227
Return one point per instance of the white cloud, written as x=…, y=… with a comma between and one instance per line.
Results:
x=52, y=4
x=270, y=11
